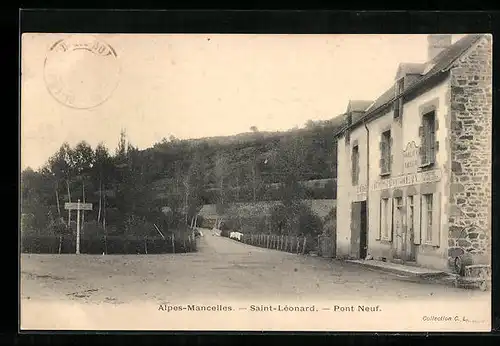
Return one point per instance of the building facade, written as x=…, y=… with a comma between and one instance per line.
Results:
x=414, y=166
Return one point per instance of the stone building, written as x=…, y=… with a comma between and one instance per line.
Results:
x=414, y=166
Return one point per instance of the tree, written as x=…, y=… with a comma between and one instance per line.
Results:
x=195, y=183
x=61, y=169
x=221, y=171
x=254, y=129
x=291, y=165
x=102, y=175
x=82, y=161
x=310, y=124
x=121, y=150
x=35, y=191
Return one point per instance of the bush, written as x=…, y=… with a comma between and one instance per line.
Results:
x=106, y=244
x=295, y=219
x=309, y=222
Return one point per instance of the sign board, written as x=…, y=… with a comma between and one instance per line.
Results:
x=411, y=157
x=76, y=206
x=408, y=179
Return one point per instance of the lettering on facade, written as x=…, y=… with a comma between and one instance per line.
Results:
x=361, y=189
x=408, y=179
x=360, y=194
x=411, y=157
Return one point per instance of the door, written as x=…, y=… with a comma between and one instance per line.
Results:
x=410, y=230
x=358, y=230
x=363, y=244
x=355, y=228
x=399, y=242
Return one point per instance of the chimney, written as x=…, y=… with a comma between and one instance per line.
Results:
x=436, y=43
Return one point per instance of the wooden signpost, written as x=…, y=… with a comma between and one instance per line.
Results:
x=78, y=206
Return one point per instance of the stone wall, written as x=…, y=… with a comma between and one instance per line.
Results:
x=471, y=145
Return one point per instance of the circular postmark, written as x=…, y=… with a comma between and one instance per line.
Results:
x=81, y=71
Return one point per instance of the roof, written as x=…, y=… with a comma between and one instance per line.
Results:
x=441, y=63
x=358, y=105
x=406, y=68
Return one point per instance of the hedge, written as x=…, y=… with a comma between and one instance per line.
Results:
x=49, y=244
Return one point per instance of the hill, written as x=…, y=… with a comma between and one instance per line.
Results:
x=247, y=164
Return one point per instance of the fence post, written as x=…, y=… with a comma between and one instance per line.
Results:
x=304, y=246
x=173, y=243
x=282, y=242
x=146, y=245
x=297, y=245
x=268, y=238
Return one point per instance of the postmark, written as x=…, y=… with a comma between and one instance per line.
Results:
x=81, y=71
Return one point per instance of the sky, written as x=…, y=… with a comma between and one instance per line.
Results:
x=193, y=86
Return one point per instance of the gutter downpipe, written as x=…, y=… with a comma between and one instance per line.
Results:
x=367, y=185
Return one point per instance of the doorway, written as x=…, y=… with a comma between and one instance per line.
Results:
x=359, y=237
x=399, y=233
x=410, y=230
x=363, y=236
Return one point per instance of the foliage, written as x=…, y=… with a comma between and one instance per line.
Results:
x=128, y=187
x=295, y=219
x=106, y=244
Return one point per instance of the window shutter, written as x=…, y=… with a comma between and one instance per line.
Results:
x=418, y=227
x=436, y=146
x=391, y=219
x=417, y=238
x=381, y=161
x=436, y=124
x=421, y=151
x=391, y=158
x=378, y=236
x=436, y=219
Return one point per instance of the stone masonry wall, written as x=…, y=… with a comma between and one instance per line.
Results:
x=471, y=145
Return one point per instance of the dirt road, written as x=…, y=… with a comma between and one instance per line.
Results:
x=222, y=270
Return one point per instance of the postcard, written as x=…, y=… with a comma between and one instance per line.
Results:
x=256, y=182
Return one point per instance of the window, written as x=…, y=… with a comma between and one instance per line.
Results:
x=426, y=218
x=355, y=165
x=428, y=136
x=398, y=103
x=385, y=152
x=385, y=219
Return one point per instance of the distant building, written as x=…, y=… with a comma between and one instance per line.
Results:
x=414, y=166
